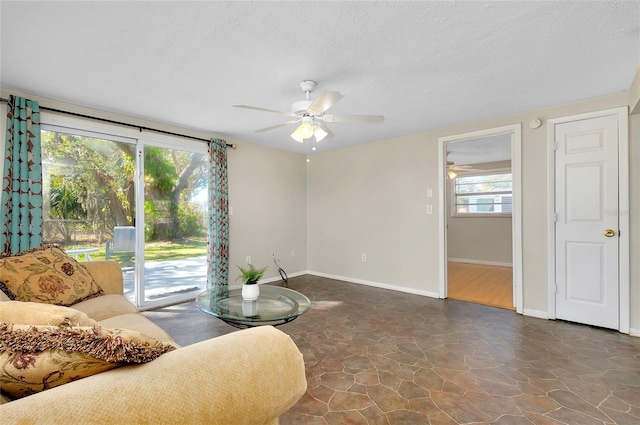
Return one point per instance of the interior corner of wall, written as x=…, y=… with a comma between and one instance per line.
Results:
x=634, y=94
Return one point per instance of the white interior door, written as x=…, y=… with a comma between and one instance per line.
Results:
x=587, y=229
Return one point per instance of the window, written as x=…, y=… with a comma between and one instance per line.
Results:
x=483, y=194
x=87, y=186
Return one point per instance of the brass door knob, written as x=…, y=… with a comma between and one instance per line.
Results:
x=609, y=233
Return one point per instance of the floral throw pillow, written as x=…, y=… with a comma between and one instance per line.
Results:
x=36, y=358
x=46, y=275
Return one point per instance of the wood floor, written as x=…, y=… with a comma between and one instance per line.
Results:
x=482, y=284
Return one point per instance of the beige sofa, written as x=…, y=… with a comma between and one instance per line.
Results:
x=247, y=377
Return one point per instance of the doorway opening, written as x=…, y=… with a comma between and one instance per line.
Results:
x=480, y=228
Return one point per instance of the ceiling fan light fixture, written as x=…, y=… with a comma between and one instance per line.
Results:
x=306, y=128
x=319, y=133
x=304, y=131
x=452, y=175
x=297, y=136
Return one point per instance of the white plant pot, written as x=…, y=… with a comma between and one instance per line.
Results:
x=250, y=292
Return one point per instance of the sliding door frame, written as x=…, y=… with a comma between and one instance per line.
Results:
x=140, y=140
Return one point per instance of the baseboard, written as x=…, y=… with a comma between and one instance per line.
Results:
x=525, y=312
x=376, y=284
x=535, y=313
x=483, y=262
x=278, y=278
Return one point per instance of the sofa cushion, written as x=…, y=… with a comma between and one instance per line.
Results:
x=137, y=322
x=46, y=275
x=42, y=314
x=36, y=358
x=106, y=306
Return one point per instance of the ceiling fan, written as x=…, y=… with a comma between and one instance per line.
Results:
x=453, y=170
x=311, y=114
x=452, y=166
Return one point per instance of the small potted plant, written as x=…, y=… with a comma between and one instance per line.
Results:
x=250, y=277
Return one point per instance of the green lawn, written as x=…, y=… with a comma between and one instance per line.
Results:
x=160, y=251
x=154, y=251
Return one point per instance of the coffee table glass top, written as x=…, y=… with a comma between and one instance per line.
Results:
x=275, y=305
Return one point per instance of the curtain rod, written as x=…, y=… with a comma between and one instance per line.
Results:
x=139, y=127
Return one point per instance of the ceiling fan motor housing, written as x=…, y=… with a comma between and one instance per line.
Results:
x=301, y=107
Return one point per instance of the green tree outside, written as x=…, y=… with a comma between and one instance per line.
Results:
x=91, y=188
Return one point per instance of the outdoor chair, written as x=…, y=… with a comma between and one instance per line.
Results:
x=124, y=241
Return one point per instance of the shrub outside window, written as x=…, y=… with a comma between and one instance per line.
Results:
x=487, y=193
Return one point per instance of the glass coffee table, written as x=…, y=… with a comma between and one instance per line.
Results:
x=275, y=306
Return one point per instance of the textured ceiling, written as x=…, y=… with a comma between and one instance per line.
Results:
x=480, y=150
x=422, y=65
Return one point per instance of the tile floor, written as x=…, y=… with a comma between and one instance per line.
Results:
x=380, y=357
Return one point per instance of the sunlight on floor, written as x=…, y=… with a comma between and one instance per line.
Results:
x=325, y=305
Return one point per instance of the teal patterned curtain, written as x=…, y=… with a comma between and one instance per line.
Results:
x=218, y=239
x=21, y=201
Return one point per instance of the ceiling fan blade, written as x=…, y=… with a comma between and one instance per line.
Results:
x=276, y=126
x=353, y=118
x=461, y=167
x=255, y=108
x=325, y=101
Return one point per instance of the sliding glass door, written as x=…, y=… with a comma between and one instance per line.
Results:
x=99, y=206
x=175, y=226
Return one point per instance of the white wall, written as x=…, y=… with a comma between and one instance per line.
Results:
x=480, y=240
x=372, y=199
x=267, y=190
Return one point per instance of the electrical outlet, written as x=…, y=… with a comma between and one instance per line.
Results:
x=248, y=259
x=293, y=252
x=364, y=258
x=230, y=210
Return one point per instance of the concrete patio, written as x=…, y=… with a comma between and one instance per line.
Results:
x=167, y=278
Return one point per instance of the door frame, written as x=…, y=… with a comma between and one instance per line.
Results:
x=516, y=214
x=624, y=299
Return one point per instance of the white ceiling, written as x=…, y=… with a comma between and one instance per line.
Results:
x=422, y=65
x=480, y=150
